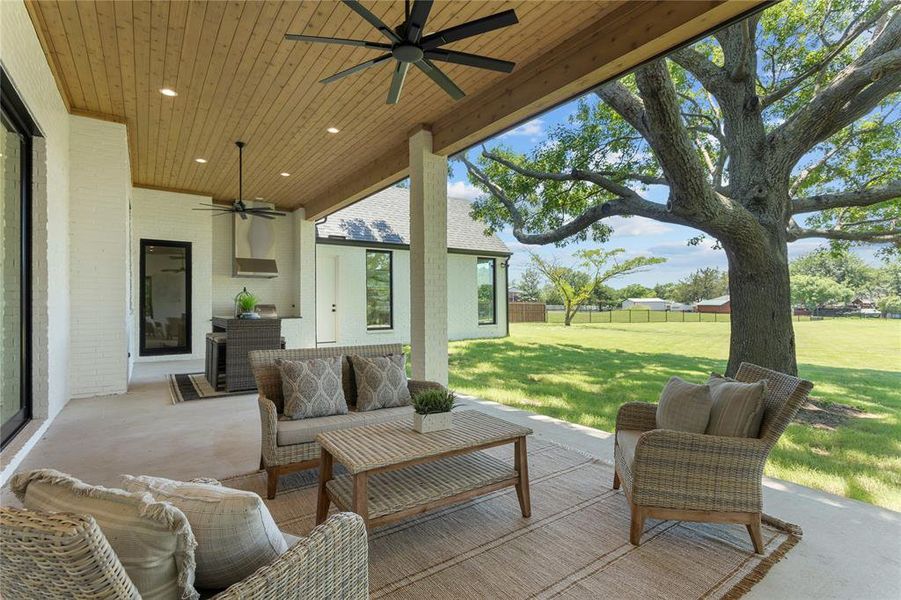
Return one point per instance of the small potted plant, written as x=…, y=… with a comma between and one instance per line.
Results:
x=433, y=410
x=246, y=303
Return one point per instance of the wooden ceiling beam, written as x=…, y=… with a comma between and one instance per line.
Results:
x=613, y=45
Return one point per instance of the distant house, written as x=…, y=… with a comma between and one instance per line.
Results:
x=514, y=295
x=861, y=302
x=714, y=305
x=678, y=306
x=645, y=303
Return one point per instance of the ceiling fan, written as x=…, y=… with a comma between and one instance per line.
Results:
x=238, y=206
x=408, y=46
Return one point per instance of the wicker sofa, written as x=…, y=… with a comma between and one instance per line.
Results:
x=697, y=477
x=289, y=445
x=62, y=555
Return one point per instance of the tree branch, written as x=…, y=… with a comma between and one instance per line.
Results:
x=705, y=70
x=853, y=93
x=850, y=34
x=867, y=197
x=626, y=104
x=875, y=236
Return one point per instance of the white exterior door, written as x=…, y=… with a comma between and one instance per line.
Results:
x=326, y=299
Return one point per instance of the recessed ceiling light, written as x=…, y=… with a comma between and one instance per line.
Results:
x=200, y=160
x=259, y=198
x=168, y=92
x=333, y=130
x=286, y=174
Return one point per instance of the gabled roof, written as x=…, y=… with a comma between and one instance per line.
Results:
x=645, y=299
x=385, y=217
x=718, y=301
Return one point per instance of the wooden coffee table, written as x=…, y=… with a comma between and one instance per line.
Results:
x=396, y=473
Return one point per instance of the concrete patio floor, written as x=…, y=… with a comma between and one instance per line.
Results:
x=849, y=550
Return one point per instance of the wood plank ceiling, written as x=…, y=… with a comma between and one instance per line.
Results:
x=237, y=78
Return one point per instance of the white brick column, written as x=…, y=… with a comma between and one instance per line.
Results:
x=428, y=259
x=305, y=267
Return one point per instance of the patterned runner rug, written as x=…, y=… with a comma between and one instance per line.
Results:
x=575, y=545
x=194, y=386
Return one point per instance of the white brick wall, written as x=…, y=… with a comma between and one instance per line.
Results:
x=170, y=216
x=462, y=317
x=99, y=188
x=27, y=67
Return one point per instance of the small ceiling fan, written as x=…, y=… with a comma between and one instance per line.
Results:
x=408, y=46
x=238, y=206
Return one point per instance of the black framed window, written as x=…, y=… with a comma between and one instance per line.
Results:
x=16, y=132
x=379, y=289
x=165, y=297
x=486, y=280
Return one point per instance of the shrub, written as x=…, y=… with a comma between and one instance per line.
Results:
x=434, y=401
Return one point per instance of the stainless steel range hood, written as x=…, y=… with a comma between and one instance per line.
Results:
x=254, y=247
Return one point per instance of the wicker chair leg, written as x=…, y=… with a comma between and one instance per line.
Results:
x=616, y=480
x=271, y=482
x=756, y=535
x=637, y=527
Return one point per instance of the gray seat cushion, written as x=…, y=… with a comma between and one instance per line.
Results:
x=627, y=439
x=304, y=431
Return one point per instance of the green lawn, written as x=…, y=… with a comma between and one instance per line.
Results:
x=583, y=373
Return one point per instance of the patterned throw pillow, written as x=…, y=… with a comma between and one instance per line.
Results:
x=312, y=387
x=738, y=407
x=684, y=406
x=381, y=381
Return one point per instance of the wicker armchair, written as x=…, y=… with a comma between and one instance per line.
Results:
x=697, y=477
x=281, y=459
x=63, y=555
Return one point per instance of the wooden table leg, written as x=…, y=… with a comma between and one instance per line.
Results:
x=325, y=475
x=361, y=496
x=521, y=464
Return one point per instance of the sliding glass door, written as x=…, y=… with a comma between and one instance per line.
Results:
x=15, y=265
x=165, y=297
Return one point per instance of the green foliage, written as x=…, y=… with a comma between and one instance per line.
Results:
x=634, y=290
x=840, y=266
x=890, y=304
x=247, y=301
x=576, y=287
x=811, y=291
x=434, y=401
x=530, y=285
x=703, y=284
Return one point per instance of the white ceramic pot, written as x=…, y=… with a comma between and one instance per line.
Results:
x=432, y=422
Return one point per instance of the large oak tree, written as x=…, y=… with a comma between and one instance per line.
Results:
x=781, y=127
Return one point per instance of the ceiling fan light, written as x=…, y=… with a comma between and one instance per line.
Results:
x=168, y=92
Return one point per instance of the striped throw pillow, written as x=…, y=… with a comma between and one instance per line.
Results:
x=684, y=406
x=235, y=533
x=738, y=407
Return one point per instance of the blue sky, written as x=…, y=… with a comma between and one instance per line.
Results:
x=638, y=236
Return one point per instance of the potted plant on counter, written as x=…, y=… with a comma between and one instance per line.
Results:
x=245, y=302
x=433, y=410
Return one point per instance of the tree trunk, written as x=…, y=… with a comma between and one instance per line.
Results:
x=760, y=300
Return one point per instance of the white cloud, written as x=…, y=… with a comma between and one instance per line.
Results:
x=636, y=226
x=461, y=189
x=533, y=129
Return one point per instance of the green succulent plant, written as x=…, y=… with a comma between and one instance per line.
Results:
x=247, y=302
x=434, y=401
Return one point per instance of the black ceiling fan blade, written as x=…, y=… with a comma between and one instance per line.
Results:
x=261, y=215
x=359, y=67
x=397, y=82
x=215, y=209
x=297, y=37
x=373, y=20
x=265, y=211
x=479, y=26
x=222, y=206
x=438, y=76
x=419, y=14
x=470, y=60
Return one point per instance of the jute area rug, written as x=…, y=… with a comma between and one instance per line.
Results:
x=575, y=545
x=184, y=387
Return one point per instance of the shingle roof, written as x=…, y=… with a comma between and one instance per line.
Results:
x=718, y=301
x=385, y=217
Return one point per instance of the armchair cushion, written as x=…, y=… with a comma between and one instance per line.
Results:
x=153, y=540
x=312, y=387
x=737, y=407
x=627, y=440
x=235, y=533
x=684, y=406
x=381, y=381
